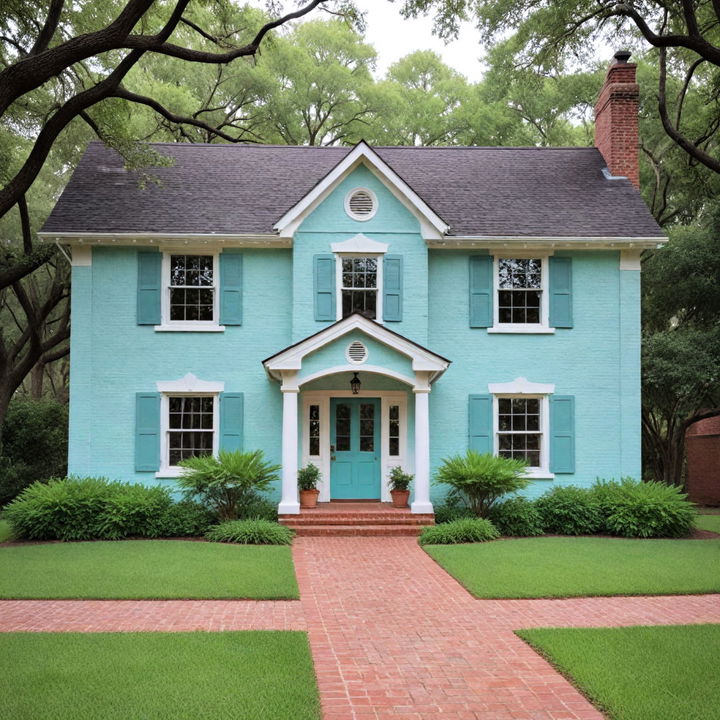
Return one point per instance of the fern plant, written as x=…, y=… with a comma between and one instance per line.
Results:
x=227, y=483
x=482, y=478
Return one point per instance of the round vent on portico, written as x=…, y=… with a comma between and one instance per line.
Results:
x=356, y=353
x=361, y=204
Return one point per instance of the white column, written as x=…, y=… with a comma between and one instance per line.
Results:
x=289, y=504
x=421, y=503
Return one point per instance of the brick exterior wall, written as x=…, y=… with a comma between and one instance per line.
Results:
x=703, y=461
x=616, y=121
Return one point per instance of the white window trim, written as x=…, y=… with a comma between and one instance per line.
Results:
x=361, y=218
x=536, y=473
x=173, y=471
x=541, y=328
x=339, y=287
x=168, y=325
x=387, y=398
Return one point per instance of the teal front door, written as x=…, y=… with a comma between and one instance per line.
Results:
x=354, y=449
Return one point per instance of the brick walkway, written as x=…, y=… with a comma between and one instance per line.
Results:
x=392, y=635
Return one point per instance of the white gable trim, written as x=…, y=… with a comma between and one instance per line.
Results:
x=360, y=244
x=521, y=386
x=189, y=384
x=291, y=358
x=433, y=225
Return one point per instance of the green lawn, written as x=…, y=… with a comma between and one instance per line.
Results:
x=708, y=522
x=146, y=569
x=157, y=676
x=5, y=531
x=572, y=567
x=640, y=673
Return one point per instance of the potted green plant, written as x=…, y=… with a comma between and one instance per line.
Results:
x=400, y=487
x=308, y=478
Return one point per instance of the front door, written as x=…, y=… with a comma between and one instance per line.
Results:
x=354, y=449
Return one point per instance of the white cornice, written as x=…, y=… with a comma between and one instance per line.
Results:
x=575, y=243
x=432, y=224
x=162, y=239
x=361, y=244
x=189, y=384
x=521, y=386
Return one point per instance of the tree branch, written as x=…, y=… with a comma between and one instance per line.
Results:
x=48, y=29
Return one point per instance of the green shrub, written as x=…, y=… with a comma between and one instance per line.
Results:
x=482, y=479
x=570, y=510
x=517, y=517
x=260, y=509
x=454, y=507
x=34, y=445
x=227, y=483
x=644, y=509
x=250, y=532
x=308, y=477
x=97, y=509
x=465, y=530
x=400, y=480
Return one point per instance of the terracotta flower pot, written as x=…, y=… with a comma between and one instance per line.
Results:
x=400, y=498
x=309, y=498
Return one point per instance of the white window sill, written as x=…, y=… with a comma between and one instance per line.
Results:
x=522, y=330
x=169, y=472
x=189, y=327
x=539, y=474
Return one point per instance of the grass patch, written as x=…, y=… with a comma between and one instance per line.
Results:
x=636, y=673
x=5, y=531
x=708, y=522
x=146, y=569
x=258, y=675
x=575, y=567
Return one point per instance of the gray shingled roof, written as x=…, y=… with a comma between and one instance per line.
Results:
x=505, y=191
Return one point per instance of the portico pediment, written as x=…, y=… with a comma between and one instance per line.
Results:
x=353, y=344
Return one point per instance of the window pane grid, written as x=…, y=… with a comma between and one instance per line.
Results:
x=359, y=286
x=519, y=433
x=519, y=290
x=367, y=428
x=394, y=430
x=314, y=430
x=192, y=424
x=192, y=291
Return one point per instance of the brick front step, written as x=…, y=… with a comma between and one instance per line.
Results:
x=356, y=519
x=355, y=530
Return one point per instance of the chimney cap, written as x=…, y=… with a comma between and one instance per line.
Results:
x=622, y=56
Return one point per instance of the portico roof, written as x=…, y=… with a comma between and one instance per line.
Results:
x=291, y=358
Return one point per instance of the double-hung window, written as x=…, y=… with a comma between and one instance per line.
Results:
x=192, y=288
x=190, y=427
x=359, y=286
x=519, y=430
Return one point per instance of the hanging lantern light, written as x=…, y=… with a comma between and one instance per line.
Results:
x=355, y=384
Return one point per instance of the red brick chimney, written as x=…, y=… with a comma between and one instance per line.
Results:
x=616, y=119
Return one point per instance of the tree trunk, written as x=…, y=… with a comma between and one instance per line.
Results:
x=37, y=375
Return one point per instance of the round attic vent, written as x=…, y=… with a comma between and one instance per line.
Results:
x=361, y=204
x=357, y=353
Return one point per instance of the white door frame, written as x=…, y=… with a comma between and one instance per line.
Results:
x=322, y=399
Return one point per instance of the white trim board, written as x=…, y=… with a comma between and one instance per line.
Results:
x=432, y=225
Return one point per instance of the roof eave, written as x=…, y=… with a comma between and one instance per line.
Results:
x=166, y=239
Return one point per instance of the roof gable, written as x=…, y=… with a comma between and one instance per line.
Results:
x=431, y=224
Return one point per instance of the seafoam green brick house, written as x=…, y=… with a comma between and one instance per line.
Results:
x=482, y=297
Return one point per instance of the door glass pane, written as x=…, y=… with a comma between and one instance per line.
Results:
x=394, y=430
x=342, y=427
x=314, y=430
x=367, y=427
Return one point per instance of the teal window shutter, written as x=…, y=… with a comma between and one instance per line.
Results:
x=561, y=314
x=480, y=423
x=481, y=291
x=562, y=434
x=231, y=421
x=392, y=288
x=231, y=290
x=148, y=288
x=324, y=287
x=147, y=432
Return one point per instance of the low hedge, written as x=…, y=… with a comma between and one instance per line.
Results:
x=250, y=532
x=98, y=509
x=517, y=517
x=465, y=530
x=570, y=510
